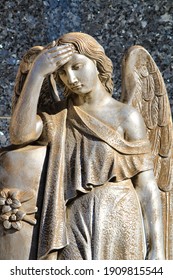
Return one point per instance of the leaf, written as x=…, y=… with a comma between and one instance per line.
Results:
x=26, y=195
x=30, y=220
x=29, y=208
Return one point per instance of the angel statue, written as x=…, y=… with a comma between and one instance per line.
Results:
x=104, y=164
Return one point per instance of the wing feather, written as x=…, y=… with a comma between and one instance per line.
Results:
x=143, y=87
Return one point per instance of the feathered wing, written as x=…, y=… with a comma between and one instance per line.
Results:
x=143, y=88
x=48, y=94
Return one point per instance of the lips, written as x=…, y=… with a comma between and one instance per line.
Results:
x=78, y=86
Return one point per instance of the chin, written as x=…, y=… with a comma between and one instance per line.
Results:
x=81, y=92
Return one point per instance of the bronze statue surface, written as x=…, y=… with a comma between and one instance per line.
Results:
x=102, y=161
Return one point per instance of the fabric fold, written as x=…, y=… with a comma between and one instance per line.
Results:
x=53, y=235
x=84, y=153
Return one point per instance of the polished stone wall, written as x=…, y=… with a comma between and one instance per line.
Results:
x=115, y=24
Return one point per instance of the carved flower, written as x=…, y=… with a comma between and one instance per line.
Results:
x=14, y=209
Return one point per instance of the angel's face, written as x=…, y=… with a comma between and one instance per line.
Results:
x=79, y=74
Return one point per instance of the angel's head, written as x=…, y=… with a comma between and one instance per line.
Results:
x=86, y=45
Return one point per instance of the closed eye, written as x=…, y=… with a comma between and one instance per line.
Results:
x=77, y=66
x=61, y=72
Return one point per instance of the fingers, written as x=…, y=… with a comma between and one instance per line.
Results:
x=54, y=47
x=53, y=58
x=61, y=54
x=59, y=50
x=51, y=45
x=63, y=60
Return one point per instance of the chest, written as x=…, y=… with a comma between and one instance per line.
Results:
x=111, y=117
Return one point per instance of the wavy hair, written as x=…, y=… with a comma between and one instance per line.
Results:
x=88, y=46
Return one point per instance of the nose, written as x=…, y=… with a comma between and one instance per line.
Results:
x=71, y=77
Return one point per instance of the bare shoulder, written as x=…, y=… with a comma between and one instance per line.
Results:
x=133, y=124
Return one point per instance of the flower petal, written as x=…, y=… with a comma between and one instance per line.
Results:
x=16, y=204
x=3, y=194
x=26, y=195
x=9, y=201
x=17, y=225
x=14, y=211
x=7, y=224
x=13, y=218
x=20, y=215
x=13, y=194
x=6, y=208
x=4, y=217
x=2, y=201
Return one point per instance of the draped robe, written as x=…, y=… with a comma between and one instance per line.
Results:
x=90, y=207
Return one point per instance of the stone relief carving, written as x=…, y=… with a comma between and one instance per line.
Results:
x=104, y=167
x=13, y=209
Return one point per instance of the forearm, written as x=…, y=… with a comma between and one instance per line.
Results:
x=150, y=200
x=153, y=217
x=25, y=124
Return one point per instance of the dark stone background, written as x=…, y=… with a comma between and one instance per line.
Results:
x=116, y=24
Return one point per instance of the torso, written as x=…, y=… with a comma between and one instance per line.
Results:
x=113, y=113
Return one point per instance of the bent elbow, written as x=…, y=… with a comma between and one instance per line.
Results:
x=20, y=135
x=17, y=138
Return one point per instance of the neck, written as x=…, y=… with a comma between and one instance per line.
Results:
x=96, y=97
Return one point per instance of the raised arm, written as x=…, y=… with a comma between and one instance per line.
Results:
x=26, y=126
x=148, y=194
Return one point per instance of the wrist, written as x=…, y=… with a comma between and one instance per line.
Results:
x=37, y=72
x=35, y=75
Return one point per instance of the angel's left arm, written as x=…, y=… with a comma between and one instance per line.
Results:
x=148, y=192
